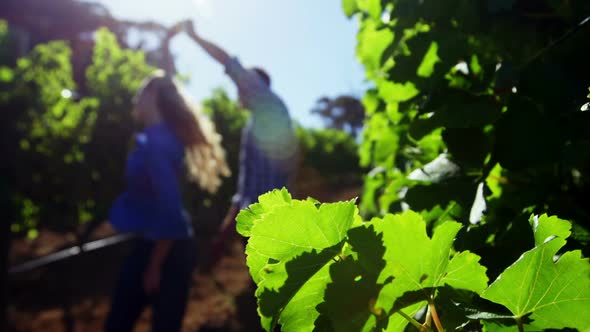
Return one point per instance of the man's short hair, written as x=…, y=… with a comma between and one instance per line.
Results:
x=263, y=74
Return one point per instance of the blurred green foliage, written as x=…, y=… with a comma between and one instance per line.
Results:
x=330, y=151
x=474, y=115
x=61, y=145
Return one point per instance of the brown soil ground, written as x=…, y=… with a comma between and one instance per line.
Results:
x=82, y=304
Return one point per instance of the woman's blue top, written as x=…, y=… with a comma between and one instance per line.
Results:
x=152, y=205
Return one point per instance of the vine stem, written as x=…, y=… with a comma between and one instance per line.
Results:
x=428, y=322
x=412, y=321
x=435, y=318
x=520, y=325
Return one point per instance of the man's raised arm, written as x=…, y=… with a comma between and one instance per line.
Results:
x=213, y=50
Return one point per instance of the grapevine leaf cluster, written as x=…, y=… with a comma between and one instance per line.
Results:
x=319, y=267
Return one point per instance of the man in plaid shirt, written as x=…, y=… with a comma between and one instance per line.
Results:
x=268, y=148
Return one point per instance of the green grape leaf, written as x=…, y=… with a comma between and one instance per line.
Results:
x=291, y=247
x=396, y=92
x=373, y=182
x=350, y=297
x=398, y=323
x=554, y=292
x=246, y=218
x=289, y=292
x=430, y=59
x=372, y=42
x=415, y=262
x=456, y=309
x=350, y=7
x=489, y=326
x=372, y=7
x=384, y=138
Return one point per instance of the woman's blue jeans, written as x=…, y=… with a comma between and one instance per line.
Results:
x=168, y=304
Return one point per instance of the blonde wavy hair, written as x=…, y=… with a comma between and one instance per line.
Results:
x=204, y=155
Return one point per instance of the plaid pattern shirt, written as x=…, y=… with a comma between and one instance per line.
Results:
x=269, y=146
x=258, y=173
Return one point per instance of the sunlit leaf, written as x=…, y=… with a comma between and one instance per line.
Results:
x=373, y=7
x=372, y=42
x=350, y=7
x=296, y=242
x=553, y=290
x=416, y=262
x=429, y=61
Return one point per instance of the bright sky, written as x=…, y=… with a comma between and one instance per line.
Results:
x=307, y=46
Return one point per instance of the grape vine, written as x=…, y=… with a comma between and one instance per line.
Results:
x=319, y=267
x=475, y=141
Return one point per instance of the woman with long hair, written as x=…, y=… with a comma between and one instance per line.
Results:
x=177, y=139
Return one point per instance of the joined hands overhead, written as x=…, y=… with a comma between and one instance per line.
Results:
x=182, y=26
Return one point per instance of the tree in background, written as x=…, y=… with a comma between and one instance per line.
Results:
x=343, y=113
